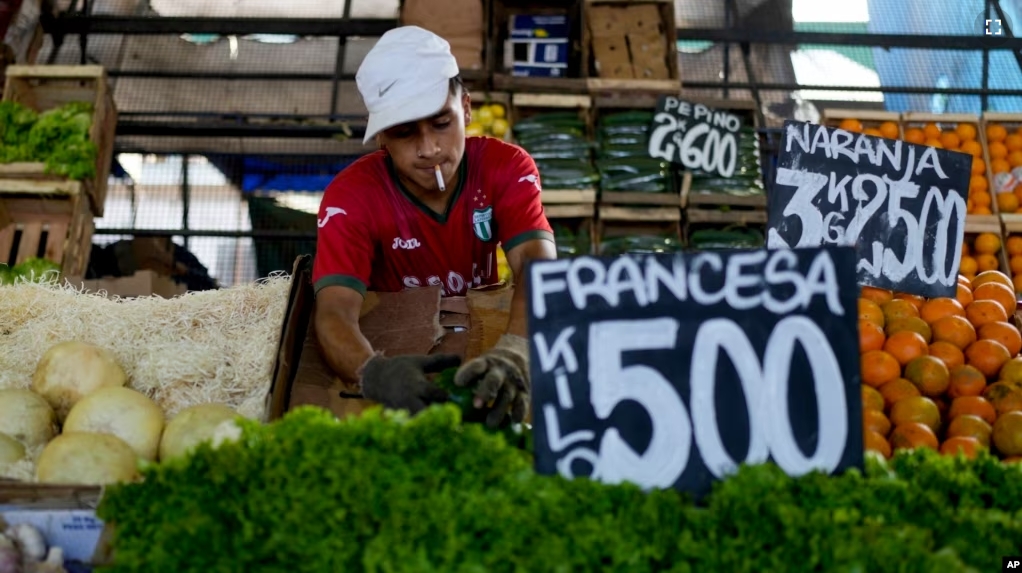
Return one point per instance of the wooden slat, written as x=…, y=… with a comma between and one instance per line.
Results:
x=836, y=115
x=616, y=213
x=69, y=72
x=551, y=100
x=29, y=245
x=40, y=186
x=23, y=169
x=697, y=198
x=1001, y=117
x=1012, y=222
x=6, y=243
x=982, y=224
x=568, y=196
x=56, y=237
x=618, y=198
x=5, y=217
x=921, y=117
x=505, y=82
x=712, y=216
x=633, y=85
x=569, y=211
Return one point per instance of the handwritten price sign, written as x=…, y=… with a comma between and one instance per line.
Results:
x=901, y=205
x=695, y=136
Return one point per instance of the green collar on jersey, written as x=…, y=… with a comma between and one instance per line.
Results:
x=438, y=217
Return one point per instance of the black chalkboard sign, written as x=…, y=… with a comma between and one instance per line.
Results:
x=667, y=370
x=695, y=136
x=901, y=205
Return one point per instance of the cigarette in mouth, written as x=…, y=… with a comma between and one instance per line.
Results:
x=439, y=178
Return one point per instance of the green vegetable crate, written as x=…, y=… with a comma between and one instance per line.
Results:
x=66, y=146
x=556, y=129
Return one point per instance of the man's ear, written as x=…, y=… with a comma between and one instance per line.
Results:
x=466, y=103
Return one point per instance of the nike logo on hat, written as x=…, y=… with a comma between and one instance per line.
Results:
x=387, y=89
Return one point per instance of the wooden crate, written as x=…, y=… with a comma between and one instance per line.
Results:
x=500, y=12
x=46, y=87
x=1001, y=181
x=870, y=119
x=665, y=29
x=616, y=221
x=57, y=227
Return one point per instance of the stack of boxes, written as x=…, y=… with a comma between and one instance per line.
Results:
x=629, y=41
x=538, y=45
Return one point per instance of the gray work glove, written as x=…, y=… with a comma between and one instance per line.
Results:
x=401, y=382
x=500, y=376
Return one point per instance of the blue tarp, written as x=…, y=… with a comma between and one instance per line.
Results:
x=932, y=68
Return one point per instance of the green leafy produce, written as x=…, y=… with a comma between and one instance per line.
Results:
x=6, y=275
x=385, y=493
x=35, y=270
x=58, y=137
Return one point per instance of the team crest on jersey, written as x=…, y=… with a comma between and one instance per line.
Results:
x=481, y=223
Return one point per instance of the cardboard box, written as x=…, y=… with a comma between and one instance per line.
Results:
x=142, y=283
x=640, y=34
x=460, y=22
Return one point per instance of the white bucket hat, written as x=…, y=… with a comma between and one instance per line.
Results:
x=405, y=77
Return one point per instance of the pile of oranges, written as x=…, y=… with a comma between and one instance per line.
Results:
x=887, y=129
x=979, y=254
x=942, y=373
x=1014, y=247
x=1005, y=150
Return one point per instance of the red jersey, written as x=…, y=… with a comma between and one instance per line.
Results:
x=375, y=235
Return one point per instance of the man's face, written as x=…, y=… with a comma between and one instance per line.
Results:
x=417, y=147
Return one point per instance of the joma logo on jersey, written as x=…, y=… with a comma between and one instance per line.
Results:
x=481, y=219
x=330, y=212
x=410, y=244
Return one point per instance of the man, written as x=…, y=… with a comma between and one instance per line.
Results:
x=428, y=208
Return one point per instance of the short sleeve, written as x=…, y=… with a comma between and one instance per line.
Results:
x=518, y=207
x=344, y=242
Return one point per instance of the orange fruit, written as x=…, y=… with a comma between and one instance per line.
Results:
x=869, y=310
x=991, y=276
x=937, y=308
x=996, y=132
x=969, y=425
x=878, y=367
x=932, y=131
x=1007, y=202
x=1012, y=371
x=966, y=446
x=850, y=124
x=998, y=166
x=1008, y=402
x=877, y=295
x=997, y=150
x=1013, y=142
x=977, y=406
x=966, y=131
x=999, y=293
x=1003, y=332
x=987, y=244
x=965, y=380
x=915, y=135
x=929, y=374
x=898, y=308
x=985, y=262
x=998, y=390
x=876, y=421
x=897, y=389
x=913, y=435
x=872, y=131
x=905, y=346
x=1007, y=434
x=1014, y=245
x=916, y=300
x=1015, y=264
x=963, y=296
x=1017, y=279
x=933, y=143
x=964, y=280
x=874, y=442
x=954, y=329
x=911, y=323
x=978, y=184
x=987, y=356
x=978, y=165
x=950, y=140
x=981, y=312
x=871, y=398
x=968, y=266
x=871, y=336
x=1015, y=158
x=890, y=130
x=972, y=148
x=948, y=353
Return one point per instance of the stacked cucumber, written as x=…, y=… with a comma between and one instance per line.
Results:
x=748, y=175
x=626, y=167
x=623, y=156
x=730, y=237
x=559, y=144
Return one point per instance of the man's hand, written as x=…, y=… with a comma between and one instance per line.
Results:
x=500, y=376
x=400, y=383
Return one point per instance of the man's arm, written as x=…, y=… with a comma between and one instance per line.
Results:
x=345, y=349
x=537, y=249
